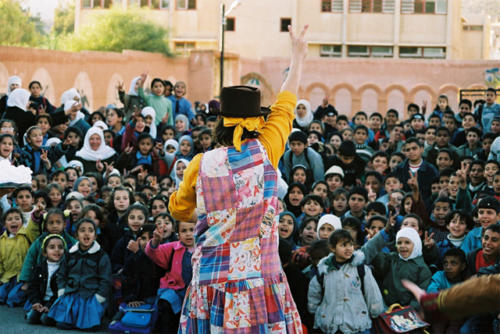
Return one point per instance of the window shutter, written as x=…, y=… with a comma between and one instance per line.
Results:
x=338, y=6
x=441, y=6
x=388, y=6
x=408, y=6
x=355, y=6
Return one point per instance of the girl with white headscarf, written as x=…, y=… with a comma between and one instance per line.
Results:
x=17, y=111
x=303, y=115
x=177, y=172
x=13, y=83
x=131, y=100
x=150, y=112
x=95, y=154
x=406, y=263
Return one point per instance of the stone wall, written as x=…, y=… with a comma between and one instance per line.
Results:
x=351, y=84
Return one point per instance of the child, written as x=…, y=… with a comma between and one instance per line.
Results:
x=55, y=195
x=135, y=217
x=14, y=244
x=37, y=157
x=406, y=263
x=23, y=199
x=175, y=257
x=180, y=104
x=167, y=224
x=312, y=206
x=287, y=228
x=458, y=224
x=348, y=295
x=206, y=140
x=308, y=232
x=327, y=225
x=186, y=148
x=293, y=198
x=489, y=252
x=360, y=138
x=353, y=226
x=42, y=291
x=133, y=130
x=320, y=188
x=143, y=154
x=7, y=146
x=334, y=178
x=455, y=271
x=442, y=207
x=161, y=105
x=339, y=202
x=303, y=115
x=301, y=174
x=84, y=282
x=488, y=214
x=349, y=161
x=357, y=199
x=299, y=153
x=53, y=222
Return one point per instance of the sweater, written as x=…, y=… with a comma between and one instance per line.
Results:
x=160, y=104
x=13, y=250
x=169, y=256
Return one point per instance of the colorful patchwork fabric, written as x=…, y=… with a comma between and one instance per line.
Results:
x=238, y=285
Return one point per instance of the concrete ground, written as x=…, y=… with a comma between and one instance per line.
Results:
x=12, y=322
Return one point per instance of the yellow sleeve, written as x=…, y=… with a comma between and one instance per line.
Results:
x=182, y=203
x=278, y=126
x=32, y=230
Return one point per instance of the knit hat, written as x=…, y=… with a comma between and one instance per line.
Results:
x=412, y=234
x=489, y=202
x=335, y=170
x=333, y=220
x=78, y=181
x=298, y=136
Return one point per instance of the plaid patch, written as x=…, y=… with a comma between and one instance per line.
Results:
x=270, y=181
x=248, y=222
x=217, y=309
x=270, y=259
x=219, y=193
x=249, y=156
x=214, y=264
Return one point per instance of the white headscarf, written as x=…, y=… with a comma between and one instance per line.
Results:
x=19, y=98
x=149, y=111
x=102, y=153
x=100, y=124
x=307, y=119
x=171, y=142
x=53, y=141
x=76, y=164
x=79, y=115
x=13, y=80
x=131, y=90
x=173, y=174
x=70, y=94
x=412, y=234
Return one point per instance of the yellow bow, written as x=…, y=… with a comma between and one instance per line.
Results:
x=249, y=123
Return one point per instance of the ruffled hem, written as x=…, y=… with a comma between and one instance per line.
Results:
x=248, y=306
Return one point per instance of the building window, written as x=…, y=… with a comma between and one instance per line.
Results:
x=183, y=48
x=144, y=3
x=284, y=23
x=186, y=4
x=336, y=6
x=473, y=28
x=328, y=50
x=369, y=51
x=230, y=26
x=371, y=6
x=422, y=52
x=424, y=6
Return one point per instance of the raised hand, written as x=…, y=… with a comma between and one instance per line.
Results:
x=157, y=236
x=462, y=175
x=99, y=166
x=143, y=78
x=428, y=240
x=133, y=246
x=372, y=196
x=119, y=86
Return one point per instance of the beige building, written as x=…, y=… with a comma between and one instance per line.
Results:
x=338, y=28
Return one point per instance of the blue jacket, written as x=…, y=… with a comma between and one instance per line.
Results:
x=489, y=112
x=438, y=282
x=184, y=107
x=313, y=161
x=472, y=240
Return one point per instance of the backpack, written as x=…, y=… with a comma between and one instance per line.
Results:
x=361, y=275
x=140, y=320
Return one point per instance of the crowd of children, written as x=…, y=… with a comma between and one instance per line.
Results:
x=364, y=203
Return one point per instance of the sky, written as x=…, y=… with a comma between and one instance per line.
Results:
x=44, y=7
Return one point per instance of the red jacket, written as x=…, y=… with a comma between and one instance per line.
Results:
x=169, y=256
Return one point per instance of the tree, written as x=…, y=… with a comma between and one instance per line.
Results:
x=117, y=30
x=64, y=18
x=18, y=28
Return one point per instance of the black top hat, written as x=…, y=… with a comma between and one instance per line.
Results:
x=241, y=101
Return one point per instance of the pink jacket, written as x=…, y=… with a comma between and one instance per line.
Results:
x=167, y=256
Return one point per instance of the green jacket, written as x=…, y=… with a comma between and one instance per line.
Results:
x=391, y=269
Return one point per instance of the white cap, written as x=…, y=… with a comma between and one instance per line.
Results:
x=335, y=170
x=330, y=219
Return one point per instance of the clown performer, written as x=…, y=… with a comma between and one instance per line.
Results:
x=238, y=285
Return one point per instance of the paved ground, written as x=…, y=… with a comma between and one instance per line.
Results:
x=12, y=322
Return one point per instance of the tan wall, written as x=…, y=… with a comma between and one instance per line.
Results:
x=351, y=84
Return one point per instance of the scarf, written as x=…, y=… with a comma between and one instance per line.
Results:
x=102, y=153
x=70, y=94
x=19, y=98
x=149, y=111
x=190, y=155
x=410, y=233
x=173, y=173
x=13, y=80
x=249, y=123
x=79, y=115
x=132, y=91
x=307, y=119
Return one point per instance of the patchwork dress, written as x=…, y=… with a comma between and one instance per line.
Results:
x=238, y=285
